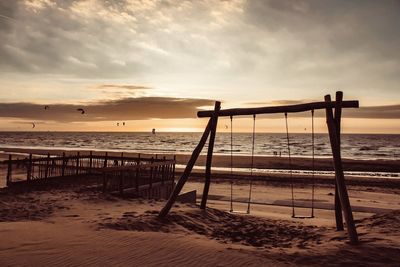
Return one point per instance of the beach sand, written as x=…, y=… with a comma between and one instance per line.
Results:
x=77, y=225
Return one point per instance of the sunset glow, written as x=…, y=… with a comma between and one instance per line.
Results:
x=137, y=61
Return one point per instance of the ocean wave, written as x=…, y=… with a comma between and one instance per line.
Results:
x=353, y=146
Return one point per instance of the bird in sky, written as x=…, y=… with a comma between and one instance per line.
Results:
x=33, y=125
x=81, y=110
x=123, y=123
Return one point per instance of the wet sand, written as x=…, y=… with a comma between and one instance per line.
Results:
x=260, y=162
x=79, y=226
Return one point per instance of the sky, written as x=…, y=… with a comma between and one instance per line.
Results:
x=154, y=64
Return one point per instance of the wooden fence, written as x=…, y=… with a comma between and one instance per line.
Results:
x=138, y=177
x=118, y=172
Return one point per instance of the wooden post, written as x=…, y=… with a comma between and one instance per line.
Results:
x=46, y=174
x=341, y=185
x=137, y=178
x=181, y=182
x=122, y=158
x=338, y=206
x=105, y=160
x=29, y=170
x=77, y=163
x=138, y=174
x=63, y=164
x=9, y=171
x=163, y=172
x=173, y=170
x=151, y=174
x=166, y=172
x=90, y=161
x=217, y=107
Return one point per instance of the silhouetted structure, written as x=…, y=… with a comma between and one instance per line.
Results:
x=342, y=202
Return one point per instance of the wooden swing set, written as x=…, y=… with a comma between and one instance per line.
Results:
x=333, y=110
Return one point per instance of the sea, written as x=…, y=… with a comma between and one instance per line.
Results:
x=354, y=146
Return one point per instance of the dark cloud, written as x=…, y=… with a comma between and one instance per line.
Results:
x=157, y=107
x=55, y=38
x=123, y=109
x=372, y=112
x=123, y=86
x=290, y=45
x=7, y=13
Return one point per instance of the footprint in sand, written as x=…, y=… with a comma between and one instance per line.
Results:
x=72, y=215
x=129, y=214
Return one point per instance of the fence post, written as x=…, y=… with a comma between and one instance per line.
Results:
x=63, y=164
x=151, y=174
x=29, y=170
x=173, y=170
x=46, y=174
x=137, y=174
x=77, y=163
x=9, y=171
x=105, y=160
x=163, y=172
x=90, y=161
x=122, y=158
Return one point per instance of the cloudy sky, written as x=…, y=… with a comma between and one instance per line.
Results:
x=153, y=64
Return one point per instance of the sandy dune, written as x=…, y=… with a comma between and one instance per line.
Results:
x=75, y=225
x=80, y=226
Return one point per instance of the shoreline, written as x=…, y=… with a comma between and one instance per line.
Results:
x=239, y=161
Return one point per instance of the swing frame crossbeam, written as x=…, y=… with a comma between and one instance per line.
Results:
x=333, y=120
x=278, y=109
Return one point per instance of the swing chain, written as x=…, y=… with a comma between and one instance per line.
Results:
x=231, y=208
x=252, y=163
x=313, y=163
x=290, y=164
x=313, y=167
